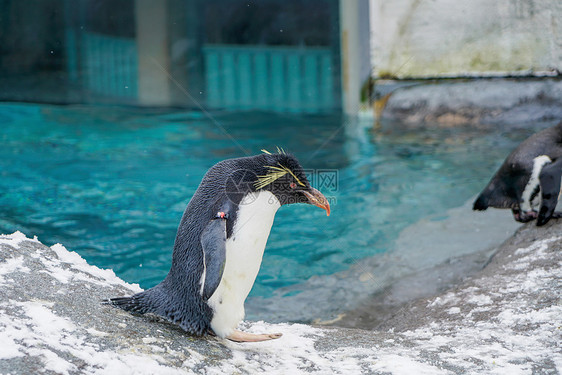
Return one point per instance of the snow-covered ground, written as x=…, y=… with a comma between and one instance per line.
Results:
x=506, y=320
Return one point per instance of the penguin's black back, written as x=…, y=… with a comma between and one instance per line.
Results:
x=546, y=142
x=506, y=187
x=178, y=296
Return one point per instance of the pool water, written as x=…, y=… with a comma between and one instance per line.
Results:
x=112, y=183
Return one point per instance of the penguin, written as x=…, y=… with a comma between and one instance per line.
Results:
x=220, y=242
x=529, y=179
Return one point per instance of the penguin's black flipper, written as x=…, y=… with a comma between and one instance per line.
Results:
x=550, y=188
x=213, y=241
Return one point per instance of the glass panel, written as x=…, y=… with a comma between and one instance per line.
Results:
x=216, y=54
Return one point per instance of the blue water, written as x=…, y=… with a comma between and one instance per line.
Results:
x=112, y=183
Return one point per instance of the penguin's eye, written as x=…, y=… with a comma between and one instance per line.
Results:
x=293, y=185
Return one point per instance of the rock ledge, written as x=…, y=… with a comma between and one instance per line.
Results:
x=507, y=319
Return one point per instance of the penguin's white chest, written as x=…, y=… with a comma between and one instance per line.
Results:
x=527, y=201
x=244, y=252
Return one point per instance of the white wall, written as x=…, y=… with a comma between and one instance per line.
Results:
x=435, y=38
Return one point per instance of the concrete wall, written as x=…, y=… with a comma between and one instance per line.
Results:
x=423, y=38
x=153, y=81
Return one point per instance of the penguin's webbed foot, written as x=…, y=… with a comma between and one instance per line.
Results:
x=239, y=336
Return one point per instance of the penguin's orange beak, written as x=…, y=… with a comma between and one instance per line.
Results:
x=318, y=199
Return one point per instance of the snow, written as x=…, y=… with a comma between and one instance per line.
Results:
x=56, y=269
x=440, y=301
x=398, y=365
x=16, y=238
x=10, y=349
x=298, y=347
x=502, y=342
x=454, y=310
x=12, y=265
x=496, y=324
x=45, y=322
x=79, y=263
x=38, y=331
x=480, y=299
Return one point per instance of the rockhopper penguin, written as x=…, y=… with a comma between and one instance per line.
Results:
x=220, y=243
x=528, y=179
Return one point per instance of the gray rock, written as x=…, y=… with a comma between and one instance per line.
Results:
x=506, y=319
x=476, y=102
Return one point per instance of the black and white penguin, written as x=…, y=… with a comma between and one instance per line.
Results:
x=220, y=243
x=528, y=179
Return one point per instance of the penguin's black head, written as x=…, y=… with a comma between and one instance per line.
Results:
x=282, y=175
x=285, y=178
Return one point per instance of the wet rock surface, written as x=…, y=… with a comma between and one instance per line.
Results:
x=505, y=319
x=421, y=264
x=478, y=102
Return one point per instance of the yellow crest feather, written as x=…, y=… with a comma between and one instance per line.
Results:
x=274, y=174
